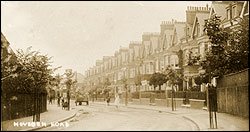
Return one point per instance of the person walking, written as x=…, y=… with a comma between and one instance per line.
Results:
x=58, y=100
x=108, y=98
x=50, y=100
x=117, y=100
x=62, y=101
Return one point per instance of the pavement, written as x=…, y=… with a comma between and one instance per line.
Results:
x=53, y=114
x=200, y=118
x=225, y=122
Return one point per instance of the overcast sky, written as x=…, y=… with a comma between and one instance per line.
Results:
x=78, y=33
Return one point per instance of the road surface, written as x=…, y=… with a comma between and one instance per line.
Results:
x=97, y=117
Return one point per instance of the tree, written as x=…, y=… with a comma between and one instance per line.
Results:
x=69, y=83
x=31, y=75
x=229, y=47
x=157, y=79
x=106, y=84
x=193, y=59
x=58, y=80
x=32, y=72
x=138, y=80
x=173, y=77
x=238, y=48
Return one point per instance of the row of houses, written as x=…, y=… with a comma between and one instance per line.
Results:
x=173, y=47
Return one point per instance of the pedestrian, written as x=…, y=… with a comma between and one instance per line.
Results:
x=62, y=100
x=50, y=100
x=65, y=105
x=58, y=100
x=116, y=100
x=108, y=98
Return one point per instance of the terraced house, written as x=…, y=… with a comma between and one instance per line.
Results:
x=174, y=46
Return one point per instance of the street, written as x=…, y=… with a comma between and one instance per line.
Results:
x=96, y=117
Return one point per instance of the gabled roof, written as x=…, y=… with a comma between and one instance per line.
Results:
x=178, y=31
x=219, y=8
x=199, y=18
x=179, y=28
x=174, y=48
x=245, y=9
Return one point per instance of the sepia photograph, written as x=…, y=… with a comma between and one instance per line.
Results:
x=124, y=66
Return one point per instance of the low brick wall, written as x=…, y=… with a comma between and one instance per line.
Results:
x=136, y=101
x=161, y=102
x=179, y=102
x=196, y=103
x=143, y=101
x=158, y=102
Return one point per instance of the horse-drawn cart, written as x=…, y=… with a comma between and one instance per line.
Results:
x=79, y=100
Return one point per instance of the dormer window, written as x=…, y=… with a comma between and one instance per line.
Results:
x=232, y=11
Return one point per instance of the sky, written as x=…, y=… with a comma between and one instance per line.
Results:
x=76, y=34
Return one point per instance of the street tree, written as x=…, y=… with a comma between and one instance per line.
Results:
x=69, y=83
x=58, y=80
x=106, y=84
x=157, y=79
x=198, y=80
x=229, y=47
x=173, y=77
x=138, y=80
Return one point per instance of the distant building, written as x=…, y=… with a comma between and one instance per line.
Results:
x=78, y=87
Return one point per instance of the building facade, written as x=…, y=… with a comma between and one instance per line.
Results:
x=157, y=51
